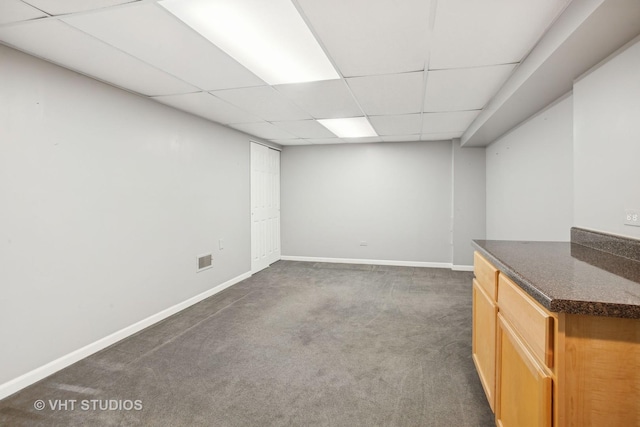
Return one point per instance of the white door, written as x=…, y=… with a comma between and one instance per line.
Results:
x=265, y=206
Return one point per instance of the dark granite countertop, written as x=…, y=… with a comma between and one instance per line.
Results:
x=568, y=277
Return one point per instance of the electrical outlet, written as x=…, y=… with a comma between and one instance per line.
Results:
x=632, y=217
x=363, y=243
x=220, y=244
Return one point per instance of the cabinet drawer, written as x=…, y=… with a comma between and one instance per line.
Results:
x=486, y=274
x=530, y=320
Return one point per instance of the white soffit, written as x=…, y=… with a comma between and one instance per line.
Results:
x=15, y=10
x=263, y=130
x=59, y=43
x=389, y=94
x=372, y=37
x=456, y=121
x=153, y=35
x=327, y=99
x=495, y=31
x=59, y=7
x=464, y=88
x=264, y=102
x=441, y=136
x=407, y=124
x=304, y=128
x=205, y=105
x=586, y=33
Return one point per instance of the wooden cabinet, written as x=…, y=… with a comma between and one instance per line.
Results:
x=513, y=342
x=485, y=310
x=529, y=319
x=552, y=369
x=484, y=340
x=599, y=371
x=486, y=275
x=523, y=389
x=524, y=358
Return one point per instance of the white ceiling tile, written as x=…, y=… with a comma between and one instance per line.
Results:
x=57, y=42
x=305, y=128
x=153, y=35
x=296, y=141
x=365, y=37
x=59, y=7
x=457, y=121
x=389, y=94
x=323, y=141
x=15, y=10
x=442, y=136
x=263, y=102
x=407, y=124
x=263, y=130
x=400, y=138
x=327, y=99
x=473, y=33
x=464, y=88
x=205, y=105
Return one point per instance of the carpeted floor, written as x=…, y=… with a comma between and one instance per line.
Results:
x=298, y=344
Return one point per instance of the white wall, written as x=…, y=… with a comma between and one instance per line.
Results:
x=469, y=199
x=106, y=200
x=394, y=196
x=607, y=143
x=530, y=178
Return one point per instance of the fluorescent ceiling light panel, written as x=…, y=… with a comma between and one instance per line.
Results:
x=270, y=38
x=355, y=127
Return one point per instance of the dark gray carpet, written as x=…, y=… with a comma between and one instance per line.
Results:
x=297, y=344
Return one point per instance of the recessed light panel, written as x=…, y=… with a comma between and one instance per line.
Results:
x=270, y=38
x=147, y=32
x=354, y=127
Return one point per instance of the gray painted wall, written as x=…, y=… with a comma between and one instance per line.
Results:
x=107, y=199
x=394, y=196
x=530, y=178
x=607, y=143
x=469, y=198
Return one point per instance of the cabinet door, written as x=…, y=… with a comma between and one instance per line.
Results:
x=484, y=340
x=523, y=389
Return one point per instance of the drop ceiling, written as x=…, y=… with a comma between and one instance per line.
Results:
x=416, y=69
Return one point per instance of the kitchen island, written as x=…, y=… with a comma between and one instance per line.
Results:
x=556, y=330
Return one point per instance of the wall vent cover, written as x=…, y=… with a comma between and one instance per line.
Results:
x=204, y=262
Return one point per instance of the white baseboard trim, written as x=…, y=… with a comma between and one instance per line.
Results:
x=17, y=384
x=368, y=261
x=462, y=267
